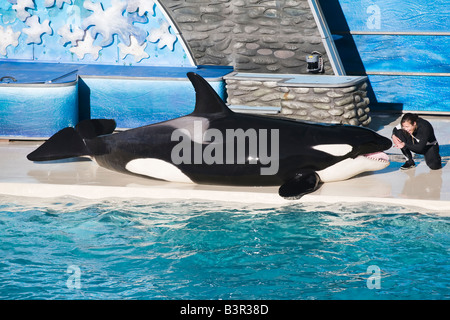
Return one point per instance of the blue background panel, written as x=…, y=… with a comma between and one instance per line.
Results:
x=37, y=111
x=403, y=46
x=398, y=53
x=388, y=15
x=412, y=93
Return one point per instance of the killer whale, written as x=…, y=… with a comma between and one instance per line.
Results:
x=214, y=145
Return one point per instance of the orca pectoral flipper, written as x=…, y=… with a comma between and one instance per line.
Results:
x=301, y=184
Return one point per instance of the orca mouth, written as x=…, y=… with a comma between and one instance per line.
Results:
x=378, y=156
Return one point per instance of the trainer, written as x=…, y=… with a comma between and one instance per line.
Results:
x=417, y=135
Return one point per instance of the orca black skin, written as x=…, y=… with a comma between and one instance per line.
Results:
x=294, y=154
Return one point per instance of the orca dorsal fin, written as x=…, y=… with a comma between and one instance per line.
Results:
x=206, y=98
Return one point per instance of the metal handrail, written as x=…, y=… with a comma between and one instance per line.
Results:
x=2, y=79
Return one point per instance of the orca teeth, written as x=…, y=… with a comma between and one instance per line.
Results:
x=378, y=156
x=379, y=160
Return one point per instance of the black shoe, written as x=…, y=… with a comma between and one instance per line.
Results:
x=408, y=165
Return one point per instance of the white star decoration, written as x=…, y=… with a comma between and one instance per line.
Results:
x=70, y=34
x=141, y=6
x=21, y=8
x=36, y=29
x=108, y=22
x=163, y=36
x=86, y=46
x=134, y=49
x=8, y=38
x=59, y=3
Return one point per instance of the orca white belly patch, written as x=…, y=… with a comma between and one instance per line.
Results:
x=334, y=149
x=158, y=169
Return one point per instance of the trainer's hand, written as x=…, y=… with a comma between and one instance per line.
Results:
x=397, y=142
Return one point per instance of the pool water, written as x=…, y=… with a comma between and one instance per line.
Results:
x=69, y=248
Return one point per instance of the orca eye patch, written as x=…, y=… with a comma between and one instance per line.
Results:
x=334, y=149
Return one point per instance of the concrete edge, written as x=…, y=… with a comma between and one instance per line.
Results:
x=168, y=192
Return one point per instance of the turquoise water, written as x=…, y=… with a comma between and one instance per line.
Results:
x=78, y=249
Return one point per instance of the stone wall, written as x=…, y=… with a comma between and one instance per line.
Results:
x=343, y=104
x=335, y=105
x=250, y=35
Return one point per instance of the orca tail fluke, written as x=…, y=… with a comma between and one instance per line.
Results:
x=69, y=142
x=64, y=144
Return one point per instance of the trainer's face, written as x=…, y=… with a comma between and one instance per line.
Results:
x=409, y=127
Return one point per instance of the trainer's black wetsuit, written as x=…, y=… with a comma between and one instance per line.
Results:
x=423, y=141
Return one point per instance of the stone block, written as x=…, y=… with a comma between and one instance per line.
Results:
x=270, y=97
x=349, y=89
x=301, y=113
x=301, y=90
x=363, y=118
x=320, y=115
x=336, y=112
x=354, y=122
x=344, y=101
x=286, y=111
x=314, y=98
x=322, y=106
x=360, y=112
x=367, y=122
x=350, y=114
x=288, y=96
x=361, y=104
x=349, y=106
x=334, y=94
x=295, y=105
x=321, y=90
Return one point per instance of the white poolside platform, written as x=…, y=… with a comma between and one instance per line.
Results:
x=420, y=187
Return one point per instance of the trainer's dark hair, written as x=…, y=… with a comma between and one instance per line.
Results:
x=412, y=118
